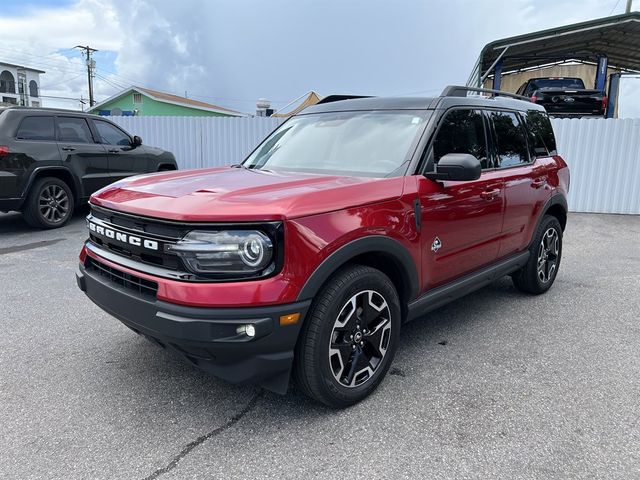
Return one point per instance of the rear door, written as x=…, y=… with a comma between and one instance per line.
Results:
x=461, y=221
x=525, y=180
x=124, y=158
x=82, y=154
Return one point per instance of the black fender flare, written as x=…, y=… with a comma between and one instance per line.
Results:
x=371, y=244
x=37, y=171
x=556, y=199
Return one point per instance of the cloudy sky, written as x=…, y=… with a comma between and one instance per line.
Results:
x=232, y=52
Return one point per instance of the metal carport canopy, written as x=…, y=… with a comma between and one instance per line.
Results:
x=616, y=37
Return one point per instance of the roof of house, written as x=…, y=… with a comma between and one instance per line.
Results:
x=168, y=98
x=22, y=67
x=311, y=99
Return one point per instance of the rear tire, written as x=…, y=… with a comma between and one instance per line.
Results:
x=540, y=272
x=49, y=203
x=349, y=337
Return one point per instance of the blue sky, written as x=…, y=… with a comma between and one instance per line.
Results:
x=233, y=52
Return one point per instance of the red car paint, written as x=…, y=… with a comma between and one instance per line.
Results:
x=477, y=222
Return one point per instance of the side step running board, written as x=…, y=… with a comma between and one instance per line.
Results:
x=459, y=288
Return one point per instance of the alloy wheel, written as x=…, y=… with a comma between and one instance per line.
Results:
x=548, y=255
x=360, y=338
x=53, y=203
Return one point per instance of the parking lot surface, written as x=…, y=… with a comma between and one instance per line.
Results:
x=497, y=385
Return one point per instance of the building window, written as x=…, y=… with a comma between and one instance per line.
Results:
x=35, y=104
x=7, y=82
x=10, y=100
x=137, y=98
x=33, y=88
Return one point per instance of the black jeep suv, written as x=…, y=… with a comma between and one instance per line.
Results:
x=52, y=160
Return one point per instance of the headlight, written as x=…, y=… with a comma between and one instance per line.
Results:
x=241, y=252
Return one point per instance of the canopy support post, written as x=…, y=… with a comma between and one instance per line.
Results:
x=601, y=73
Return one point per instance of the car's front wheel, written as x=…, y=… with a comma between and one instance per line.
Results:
x=349, y=337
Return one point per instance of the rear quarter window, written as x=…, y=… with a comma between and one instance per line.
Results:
x=36, y=128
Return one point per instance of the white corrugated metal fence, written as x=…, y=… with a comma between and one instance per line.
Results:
x=604, y=155
x=199, y=142
x=604, y=158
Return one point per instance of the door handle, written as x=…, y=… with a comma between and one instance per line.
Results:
x=68, y=149
x=113, y=150
x=539, y=182
x=490, y=194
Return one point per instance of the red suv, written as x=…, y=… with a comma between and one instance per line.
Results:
x=347, y=221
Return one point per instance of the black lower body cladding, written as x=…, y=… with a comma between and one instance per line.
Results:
x=207, y=337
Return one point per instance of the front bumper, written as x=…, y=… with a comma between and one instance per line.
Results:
x=207, y=337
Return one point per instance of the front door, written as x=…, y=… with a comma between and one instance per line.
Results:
x=125, y=159
x=461, y=221
x=80, y=152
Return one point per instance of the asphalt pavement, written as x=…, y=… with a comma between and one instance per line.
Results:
x=497, y=385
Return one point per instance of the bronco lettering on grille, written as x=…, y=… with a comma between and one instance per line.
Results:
x=123, y=237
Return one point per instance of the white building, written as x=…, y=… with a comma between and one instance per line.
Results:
x=19, y=85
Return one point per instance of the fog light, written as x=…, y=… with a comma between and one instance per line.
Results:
x=249, y=330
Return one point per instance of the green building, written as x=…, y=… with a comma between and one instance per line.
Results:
x=140, y=101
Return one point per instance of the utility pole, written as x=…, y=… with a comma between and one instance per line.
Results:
x=628, y=9
x=91, y=64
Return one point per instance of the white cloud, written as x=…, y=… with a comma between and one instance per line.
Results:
x=232, y=53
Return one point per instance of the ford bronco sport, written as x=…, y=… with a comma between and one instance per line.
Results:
x=350, y=219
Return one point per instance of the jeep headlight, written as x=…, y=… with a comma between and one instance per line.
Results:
x=243, y=252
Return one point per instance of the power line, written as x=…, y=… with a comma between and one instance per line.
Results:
x=614, y=7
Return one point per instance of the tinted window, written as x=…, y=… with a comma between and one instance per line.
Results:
x=511, y=143
x=541, y=133
x=461, y=131
x=111, y=135
x=73, y=129
x=567, y=83
x=36, y=128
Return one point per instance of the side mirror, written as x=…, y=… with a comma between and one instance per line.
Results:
x=137, y=141
x=456, y=166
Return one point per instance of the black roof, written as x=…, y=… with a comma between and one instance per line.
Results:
x=617, y=37
x=447, y=100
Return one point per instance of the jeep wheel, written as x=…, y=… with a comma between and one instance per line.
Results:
x=49, y=203
x=349, y=337
x=541, y=269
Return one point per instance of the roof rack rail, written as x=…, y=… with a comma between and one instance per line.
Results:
x=460, y=91
x=338, y=98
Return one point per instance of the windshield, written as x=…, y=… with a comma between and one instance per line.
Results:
x=372, y=143
x=558, y=83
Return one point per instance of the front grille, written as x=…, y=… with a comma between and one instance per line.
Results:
x=142, y=228
x=141, y=286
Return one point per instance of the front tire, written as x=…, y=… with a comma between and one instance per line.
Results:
x=349, y=337
x=49, y=203
x=540, y=272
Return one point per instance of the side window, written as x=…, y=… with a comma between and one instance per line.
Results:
x=36, y=128
x=543, y=142
x=74, y=130
x=111, y=135
x=511, y=142
x=461, y=131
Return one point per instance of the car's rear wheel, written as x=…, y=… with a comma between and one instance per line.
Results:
x=541, y=269
x=49, y=203
x=349, y=337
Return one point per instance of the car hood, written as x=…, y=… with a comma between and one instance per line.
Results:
x=238, y=194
